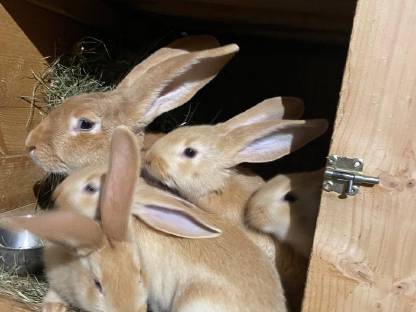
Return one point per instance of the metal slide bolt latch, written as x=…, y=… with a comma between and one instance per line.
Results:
x=343, y=175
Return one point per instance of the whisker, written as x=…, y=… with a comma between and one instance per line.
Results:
x=216, y=116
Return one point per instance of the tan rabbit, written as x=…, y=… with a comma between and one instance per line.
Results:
x=199, y=162
x=77, y=133
x=287, y=206
x=176, y=255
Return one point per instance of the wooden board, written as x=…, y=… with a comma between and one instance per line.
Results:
x=24, y=210
x=323, y=18
x=364, y=255
x=17, y=177
x=27, y=34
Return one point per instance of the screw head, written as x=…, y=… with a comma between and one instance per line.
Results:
x=357, y=163
x=354, y=191
x=332, y=159
x=328, y=185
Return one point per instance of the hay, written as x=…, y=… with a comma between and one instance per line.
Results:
x=89, y=68
x=28, y=289
x=60, y=81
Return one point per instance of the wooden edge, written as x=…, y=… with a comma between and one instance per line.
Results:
x=92, y=12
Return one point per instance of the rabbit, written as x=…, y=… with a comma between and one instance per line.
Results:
x=287, y=206
x=200, y=164
x=143, y=244
x=77, y=133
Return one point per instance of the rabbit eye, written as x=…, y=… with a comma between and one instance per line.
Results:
x=89, y=188
x=98, y=285
x=290, y=197
x=85, y=124
x=189, y=152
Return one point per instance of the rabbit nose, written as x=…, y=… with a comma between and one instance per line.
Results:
x=148, y=158
x=147, y=162
x=30, y=148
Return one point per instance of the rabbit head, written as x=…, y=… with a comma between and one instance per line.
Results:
x=78, y=133
x=198, y=160
x=287, y=207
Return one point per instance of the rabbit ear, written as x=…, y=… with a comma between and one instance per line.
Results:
x=172, y=215
x=270, y=140
x=61, y=227
x=270, y=109
x=119, y=184
x=173, y=82
x=178, y=47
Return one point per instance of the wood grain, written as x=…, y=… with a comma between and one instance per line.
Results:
x=364, y=252
x=17, y=177
x=24, y=210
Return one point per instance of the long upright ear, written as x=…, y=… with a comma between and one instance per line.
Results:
x=270, y=109
x=270, y=140
x=62, y=227
x=172, y=215
x=173, y=82
x=178, y=47
x=119, y=185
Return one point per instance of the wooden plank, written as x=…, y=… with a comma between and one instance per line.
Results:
x=17, y=177
x=364, y=252
x=323, y=16
x=21, y=211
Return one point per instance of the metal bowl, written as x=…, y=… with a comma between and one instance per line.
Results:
x=20, y=251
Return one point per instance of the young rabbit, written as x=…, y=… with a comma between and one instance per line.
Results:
x=77, y=133
x=287, y=206
x=199, y=162
x=176, y=255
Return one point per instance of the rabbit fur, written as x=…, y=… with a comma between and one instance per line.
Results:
x=143, y=244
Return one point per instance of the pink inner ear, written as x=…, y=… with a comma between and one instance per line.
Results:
x=175, y=222
x=280, y=143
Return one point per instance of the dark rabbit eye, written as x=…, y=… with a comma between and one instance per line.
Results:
x=85, y=124
x=89, y=188
x=189, y=152
x=98, y=285
x=290, y=197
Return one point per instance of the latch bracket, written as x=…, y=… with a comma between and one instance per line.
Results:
x=343, y=175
